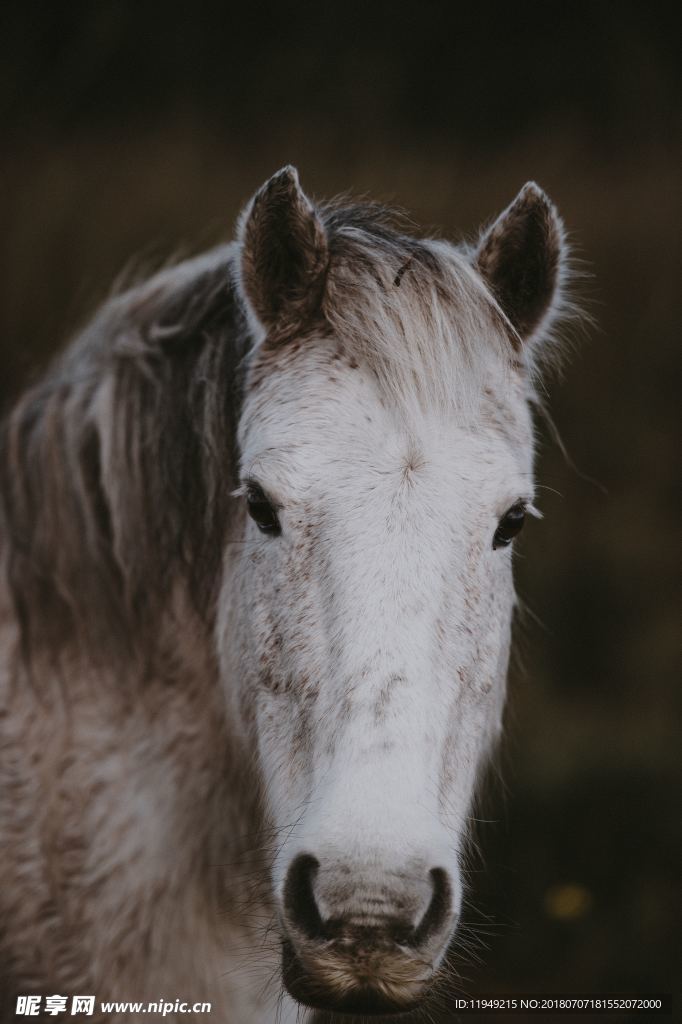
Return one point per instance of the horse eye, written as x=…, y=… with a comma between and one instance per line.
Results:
x=262, y=511
x=510, y=525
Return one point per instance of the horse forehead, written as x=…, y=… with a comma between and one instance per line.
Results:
x=386, y=462
x=322, y=402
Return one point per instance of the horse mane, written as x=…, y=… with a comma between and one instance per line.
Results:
x=116, y=469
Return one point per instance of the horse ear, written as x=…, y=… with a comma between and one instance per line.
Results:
x=284, y=253
x=522, y=258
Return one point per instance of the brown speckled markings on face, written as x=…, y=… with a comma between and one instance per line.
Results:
x=217, y=739
x=387, y=690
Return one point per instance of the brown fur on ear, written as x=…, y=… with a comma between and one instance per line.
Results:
x=284, y=254
x=521, y=258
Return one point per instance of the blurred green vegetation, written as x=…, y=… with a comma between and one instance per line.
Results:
x=138, y=130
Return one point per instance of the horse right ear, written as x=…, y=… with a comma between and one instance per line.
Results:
x=284, y=254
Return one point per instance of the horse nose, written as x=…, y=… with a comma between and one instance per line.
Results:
x=363, y=941
x=408, y=908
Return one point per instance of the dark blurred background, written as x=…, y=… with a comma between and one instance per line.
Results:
x=139, y=129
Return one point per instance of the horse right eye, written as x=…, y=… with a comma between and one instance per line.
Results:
x=262, y=511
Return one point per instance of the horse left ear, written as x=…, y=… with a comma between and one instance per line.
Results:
x=522, y=258
x=284, y=254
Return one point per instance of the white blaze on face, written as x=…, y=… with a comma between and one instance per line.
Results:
x=378, y=621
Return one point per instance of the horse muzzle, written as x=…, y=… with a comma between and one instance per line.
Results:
x=362, y=942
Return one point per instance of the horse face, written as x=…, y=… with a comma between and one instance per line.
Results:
x=375, y=637
x=372, y=625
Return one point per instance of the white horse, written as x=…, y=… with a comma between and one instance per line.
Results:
x=256, y=595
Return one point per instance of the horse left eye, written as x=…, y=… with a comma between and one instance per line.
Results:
x=262, y=511
x=510, y=525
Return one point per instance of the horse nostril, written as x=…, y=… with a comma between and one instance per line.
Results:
x=438, y=910
x=299, y=898
x=303, y=913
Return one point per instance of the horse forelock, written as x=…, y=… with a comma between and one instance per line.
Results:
x=413, y=310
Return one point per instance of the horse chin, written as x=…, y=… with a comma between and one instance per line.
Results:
x=363, y=981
